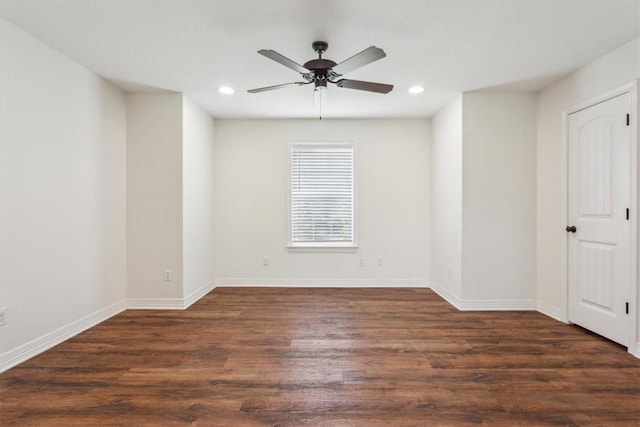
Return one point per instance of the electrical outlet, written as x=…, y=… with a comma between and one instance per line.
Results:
x=167, y=275
x=265, y=260
x=3, y=316
x=379, y=261
x=361, y=262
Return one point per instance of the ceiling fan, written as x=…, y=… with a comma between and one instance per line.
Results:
x=322, y=71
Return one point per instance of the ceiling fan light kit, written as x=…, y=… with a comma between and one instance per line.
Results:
x=322, y=71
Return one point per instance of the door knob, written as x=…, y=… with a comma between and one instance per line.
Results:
x=571, y=229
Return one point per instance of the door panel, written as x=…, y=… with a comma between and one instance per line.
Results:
x=596, y=168
x=597, y=275
x=599, y=195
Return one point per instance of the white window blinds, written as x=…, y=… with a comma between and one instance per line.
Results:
x=322, y=193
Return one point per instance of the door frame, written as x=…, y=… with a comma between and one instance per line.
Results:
x=631, y=89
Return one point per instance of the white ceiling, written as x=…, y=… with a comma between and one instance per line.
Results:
x=447, y=46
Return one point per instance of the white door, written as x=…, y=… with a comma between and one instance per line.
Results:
x=599, y=198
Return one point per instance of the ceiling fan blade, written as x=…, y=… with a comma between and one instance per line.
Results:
x=264, y=89
x=368, y=86
x=275, y=56
x=358, y=60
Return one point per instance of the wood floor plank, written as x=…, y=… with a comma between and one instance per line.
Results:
x=325, y=357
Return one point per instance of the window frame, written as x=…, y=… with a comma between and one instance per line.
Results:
x=350, y=246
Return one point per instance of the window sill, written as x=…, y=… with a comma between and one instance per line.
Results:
x=322, y=248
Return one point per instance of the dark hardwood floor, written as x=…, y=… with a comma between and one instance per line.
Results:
x=326, y=357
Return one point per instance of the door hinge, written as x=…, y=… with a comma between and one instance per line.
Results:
x=628, y=118
x=627, y=214
x=626, y=308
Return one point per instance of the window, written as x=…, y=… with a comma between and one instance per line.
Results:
x=321, y=205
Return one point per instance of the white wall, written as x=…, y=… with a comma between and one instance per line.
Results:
x=483, y=201
x=612, y=70
x=499, y=196
x=154, y=195
x=446, y=199
x=62, y=206
x=393, y=185
x=197, y=197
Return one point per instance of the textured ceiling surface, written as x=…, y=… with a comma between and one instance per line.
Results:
x=446, y=46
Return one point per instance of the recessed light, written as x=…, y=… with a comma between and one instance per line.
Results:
x=416, y=89
x=227, y=90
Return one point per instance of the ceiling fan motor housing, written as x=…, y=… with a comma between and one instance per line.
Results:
x=319, y=70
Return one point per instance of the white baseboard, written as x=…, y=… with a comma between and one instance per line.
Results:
x=170, y=303
x=33, y=348
x=635, y=351
x=551, y=311
x=484, y=304
x=324, y=283
x=446, y=295
x=198, y=293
